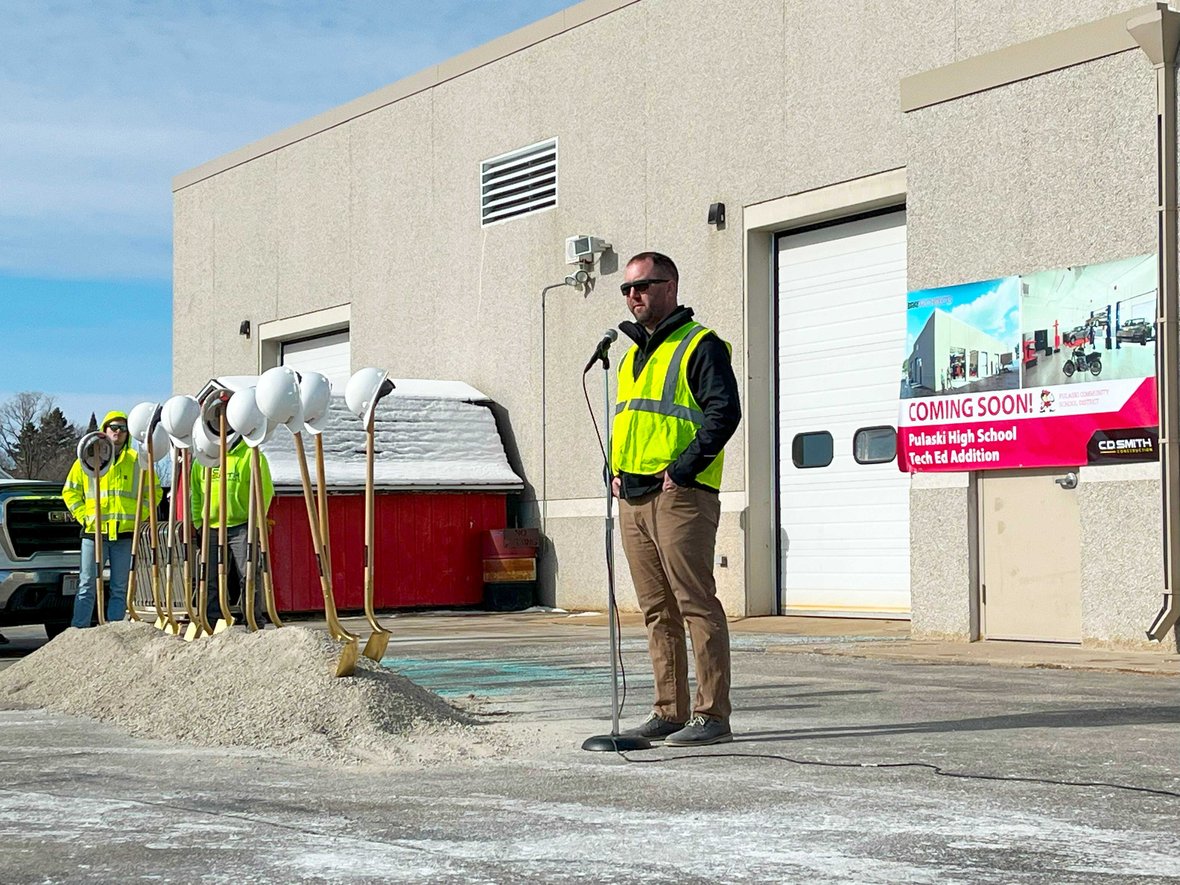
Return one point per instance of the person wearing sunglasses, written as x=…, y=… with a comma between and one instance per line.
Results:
x=677, y=407
x=119, y=486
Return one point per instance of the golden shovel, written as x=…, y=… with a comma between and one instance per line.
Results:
x=322, y=501
x=196, y=626
x=99, y=590
x=379, y=638
x=248, y=582
x=178, y=485
x=346, y=666
x=203, y=562
x=160, y=594
x=263, y=526
x=227, y=618
x=131, y=610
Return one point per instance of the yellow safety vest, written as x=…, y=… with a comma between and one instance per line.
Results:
x=656, y=415
x=119, y=487
x=237, y=488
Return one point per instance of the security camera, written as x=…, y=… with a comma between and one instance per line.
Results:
x=582, y=249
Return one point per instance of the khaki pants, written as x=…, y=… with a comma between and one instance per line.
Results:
x=669, y=538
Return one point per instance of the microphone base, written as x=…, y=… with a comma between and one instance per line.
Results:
x=615, y=743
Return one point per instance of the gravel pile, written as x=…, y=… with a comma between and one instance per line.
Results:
x=273, y=690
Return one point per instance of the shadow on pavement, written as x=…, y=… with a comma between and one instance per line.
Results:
x=1086, y=718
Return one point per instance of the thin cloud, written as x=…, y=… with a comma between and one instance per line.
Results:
x=105, y=102
x=996, y=312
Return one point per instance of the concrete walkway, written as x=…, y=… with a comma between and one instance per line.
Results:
x=889, y=640
x=854, y=760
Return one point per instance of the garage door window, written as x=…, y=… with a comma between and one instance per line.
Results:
x=812, y=449
x=874, y=445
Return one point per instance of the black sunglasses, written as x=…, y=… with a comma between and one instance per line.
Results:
x=118, y=428
x=639, y=286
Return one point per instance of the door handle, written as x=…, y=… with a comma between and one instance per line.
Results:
x=1069, y=481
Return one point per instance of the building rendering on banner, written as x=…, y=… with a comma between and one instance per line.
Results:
x=949, y=355
x=925, y=434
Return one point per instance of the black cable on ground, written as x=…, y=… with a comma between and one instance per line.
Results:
x=938, y=770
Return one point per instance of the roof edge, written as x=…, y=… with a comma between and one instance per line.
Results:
x=1022, y=61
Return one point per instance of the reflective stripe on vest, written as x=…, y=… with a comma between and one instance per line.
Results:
x=120, y=485
x=650, y=432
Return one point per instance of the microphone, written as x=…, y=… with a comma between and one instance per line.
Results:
x=608, y=337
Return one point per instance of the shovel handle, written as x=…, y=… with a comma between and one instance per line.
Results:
x=335, y=628
x=131, y=610
x=222, y=505
x=99, y=594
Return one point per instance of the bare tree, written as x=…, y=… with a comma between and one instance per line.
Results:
x=36, y=440
x=15, y=414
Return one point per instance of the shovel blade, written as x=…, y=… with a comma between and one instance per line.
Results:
x=375, y=647
x=346, y=665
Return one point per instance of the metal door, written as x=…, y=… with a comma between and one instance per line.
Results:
x=844, y=521
x=1030, y=556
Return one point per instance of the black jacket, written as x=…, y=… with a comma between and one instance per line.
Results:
x=713, y=385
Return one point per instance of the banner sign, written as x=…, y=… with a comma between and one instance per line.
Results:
x=1054, y=369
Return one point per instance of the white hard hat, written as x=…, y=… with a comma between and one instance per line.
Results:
x=206, y=447
x=246, y=418
x=177, y=418
x=277, y=396
x=138, y=420
x=215, y=403
x=363, y=391
x=315, y=395
x=92, y=444
x=145, y=419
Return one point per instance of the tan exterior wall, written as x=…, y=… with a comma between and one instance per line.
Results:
x=660, y=107
x=1047, y=172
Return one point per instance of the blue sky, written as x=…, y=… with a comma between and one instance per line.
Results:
x=104, y=102
x=992, y=306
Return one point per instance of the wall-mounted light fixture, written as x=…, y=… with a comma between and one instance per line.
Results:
x=717, y=214
x=244, y=329
x=582, y=249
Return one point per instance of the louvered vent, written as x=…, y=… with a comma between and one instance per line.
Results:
x=519, y=182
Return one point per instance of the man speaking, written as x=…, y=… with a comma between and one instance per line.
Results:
x=677, y=407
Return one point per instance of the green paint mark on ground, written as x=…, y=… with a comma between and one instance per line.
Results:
x=454, y=678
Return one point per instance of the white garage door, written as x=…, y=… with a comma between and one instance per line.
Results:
x=327, y=354
x=843, y=513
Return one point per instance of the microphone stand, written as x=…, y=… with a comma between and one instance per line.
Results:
x=613, y=742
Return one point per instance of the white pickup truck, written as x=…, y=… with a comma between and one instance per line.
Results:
x=39, y=544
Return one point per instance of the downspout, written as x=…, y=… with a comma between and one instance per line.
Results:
x=1158, y=35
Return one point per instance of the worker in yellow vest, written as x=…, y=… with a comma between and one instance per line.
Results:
x=119, y=487
x=237, y=480
x=677, y=406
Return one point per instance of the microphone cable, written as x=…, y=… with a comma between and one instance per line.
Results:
x=937, y=770
x=610, y=570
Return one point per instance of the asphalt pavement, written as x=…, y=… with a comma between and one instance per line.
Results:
x=859, y=756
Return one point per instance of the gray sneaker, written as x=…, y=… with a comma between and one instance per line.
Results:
x=655, y=728
x=700, y=731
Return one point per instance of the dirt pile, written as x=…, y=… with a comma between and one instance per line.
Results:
x=272, y=690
